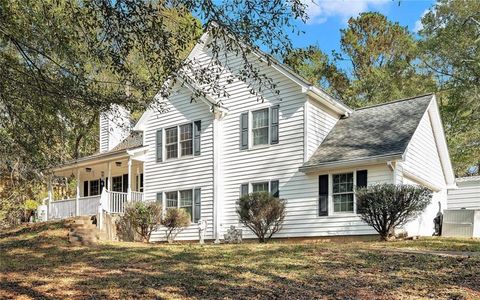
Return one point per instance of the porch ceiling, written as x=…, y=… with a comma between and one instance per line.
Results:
x=94, y=169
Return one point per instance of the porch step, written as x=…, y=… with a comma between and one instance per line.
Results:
x=83, y=231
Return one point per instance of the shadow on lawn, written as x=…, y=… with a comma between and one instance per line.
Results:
x=244, y=271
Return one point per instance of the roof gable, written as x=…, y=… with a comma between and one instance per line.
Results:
x=372, y=132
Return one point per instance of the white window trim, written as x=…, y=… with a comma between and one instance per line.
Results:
x=330, y=194
x=179, y=150
x=250, y=127
x=250, y=185
x=164, y=200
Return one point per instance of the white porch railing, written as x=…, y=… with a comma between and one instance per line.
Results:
x=112, y=202
x=61, y=209
x=88, y=205
x=136, y=196
x=117, y=202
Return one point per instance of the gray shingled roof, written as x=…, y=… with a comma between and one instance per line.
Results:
x=375, y=131
x=133, y=140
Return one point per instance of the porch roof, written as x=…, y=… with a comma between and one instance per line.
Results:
x=133, y=141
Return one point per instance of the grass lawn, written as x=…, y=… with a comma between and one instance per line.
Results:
x=37, y=262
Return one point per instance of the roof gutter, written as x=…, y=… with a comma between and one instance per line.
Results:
x=350, y=163
x=327, y=100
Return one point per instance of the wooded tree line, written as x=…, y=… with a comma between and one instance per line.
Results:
x=388, y=62
x=64, y=61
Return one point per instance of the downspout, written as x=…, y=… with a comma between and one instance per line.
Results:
x=217, y=184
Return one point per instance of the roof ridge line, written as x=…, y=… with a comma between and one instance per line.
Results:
x=394, y=101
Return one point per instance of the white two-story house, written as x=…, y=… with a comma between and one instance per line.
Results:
x=302, y=145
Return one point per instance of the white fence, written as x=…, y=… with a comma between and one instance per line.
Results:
x=136, y=196
x=117, y=202
x=61, y=209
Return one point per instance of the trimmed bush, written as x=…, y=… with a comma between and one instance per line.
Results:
x=175, y=220
x=262, y=213
x=388, y=206
x=143, y=217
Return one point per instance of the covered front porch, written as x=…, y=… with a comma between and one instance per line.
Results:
x=107, y=181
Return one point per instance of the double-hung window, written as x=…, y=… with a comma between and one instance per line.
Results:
x=178, y=141
x=117, y=184
x=336, y=192
x=94, y=187
x=263, y=186
x=342, y=193
x=260, y=127
x=189, y=200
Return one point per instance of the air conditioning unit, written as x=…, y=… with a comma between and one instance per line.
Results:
x=461, y=223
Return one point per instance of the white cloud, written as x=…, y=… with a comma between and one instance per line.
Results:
x=418, y=24
x=320, y=10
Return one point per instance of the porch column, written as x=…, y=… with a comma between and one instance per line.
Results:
x=50, y=196
x=109, y=183
x=129, y=186
x=138, y=180
x=77, y=199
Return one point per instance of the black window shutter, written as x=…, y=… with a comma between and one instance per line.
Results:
x=196, y=136
x=323, y=195
x=159, y=146
x=274, y=188
x=197, y=201
x=85, y=189
x=106, y=183
x=125, y=183
x=159, y=198
x=362, y=178
x=244, y=189
x=244, y=131
x=274, y=125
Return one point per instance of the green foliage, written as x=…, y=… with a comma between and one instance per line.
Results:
x=451, y=49
x=388, y=63
x=175, y=220
x=143, y=217
x=388, y=206
x=262, y=213
x=31, y=205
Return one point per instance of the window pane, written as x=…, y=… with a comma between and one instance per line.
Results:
x=186, y=148
x=343, y=203
x=186, y=132
x=260, y=136
x=172, y=151
x=260, y=118
x=172, y=199
x=260, y=187
x=171, y=135
x=117, y=184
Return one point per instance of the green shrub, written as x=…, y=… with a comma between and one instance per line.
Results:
x=262, y=213
x=388, y=206
x=175, y=220
x=143, y=217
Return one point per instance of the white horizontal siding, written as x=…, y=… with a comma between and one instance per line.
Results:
x=467, y=197
x=320, y=120
x=182, y=173
x=422, y=157
x=301, y=193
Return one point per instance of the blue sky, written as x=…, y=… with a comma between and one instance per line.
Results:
x=327, y=17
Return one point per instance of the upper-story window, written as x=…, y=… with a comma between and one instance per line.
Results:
x=171, y=142
x=180, y=141
x=259, y=127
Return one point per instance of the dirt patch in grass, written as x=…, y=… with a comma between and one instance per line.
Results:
x=38, y=263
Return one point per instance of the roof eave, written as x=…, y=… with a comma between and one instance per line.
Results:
x=350, y=163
